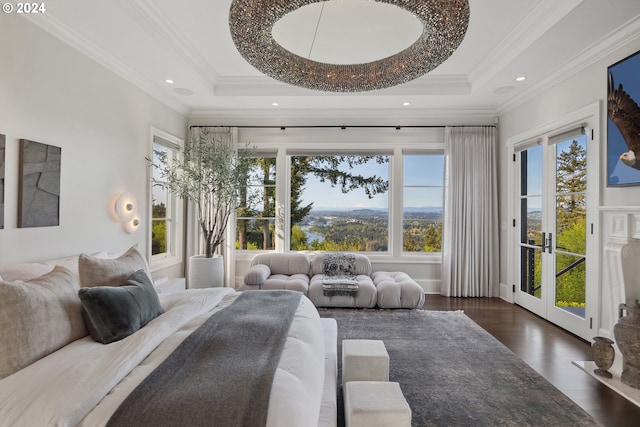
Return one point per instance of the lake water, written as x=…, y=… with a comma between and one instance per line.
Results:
x=312, y=236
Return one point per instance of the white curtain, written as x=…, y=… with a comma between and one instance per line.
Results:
x=470, y=236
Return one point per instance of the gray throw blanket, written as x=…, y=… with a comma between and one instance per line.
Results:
x=221, y=375
x=339, y=275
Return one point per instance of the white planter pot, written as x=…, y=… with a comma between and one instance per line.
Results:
x=206, y=272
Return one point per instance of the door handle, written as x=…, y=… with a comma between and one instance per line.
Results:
x=543, y=245
x=550, y=243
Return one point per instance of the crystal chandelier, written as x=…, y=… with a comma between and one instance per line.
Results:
x=444, y=26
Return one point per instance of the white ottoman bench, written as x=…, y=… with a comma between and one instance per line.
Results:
x=397, y=290
x=375, y=404
x=364, y=360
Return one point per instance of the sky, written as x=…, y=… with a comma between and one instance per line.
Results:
x=418, y=170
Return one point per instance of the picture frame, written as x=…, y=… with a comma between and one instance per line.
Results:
x=2, y=169
x=623, y=122
x=39, y=184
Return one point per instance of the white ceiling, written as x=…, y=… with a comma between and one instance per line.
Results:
x=188, y=41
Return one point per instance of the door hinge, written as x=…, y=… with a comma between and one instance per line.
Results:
x=592, y=134
x=591, y=323
x=514, y=222
x=514, y=157
x=514, y=289
x=591, y=228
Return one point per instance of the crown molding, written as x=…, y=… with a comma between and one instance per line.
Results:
x=421, y=116
x=616, y=39
x=75, y=40
x=542, y=16
x=161, y=28
x=266, y=86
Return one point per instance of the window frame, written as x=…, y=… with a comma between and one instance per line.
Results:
x=330, y=140
x=174, y=210
x=260, y=155
x=343, y=152
x=422, y=186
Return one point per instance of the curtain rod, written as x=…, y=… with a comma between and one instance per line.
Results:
x=338, y=126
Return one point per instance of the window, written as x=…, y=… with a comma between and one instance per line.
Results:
x=423, y=197
x=165, y=209
x=340, y=203
x=255, y=218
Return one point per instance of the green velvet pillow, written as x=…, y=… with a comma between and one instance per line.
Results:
x=112, y=313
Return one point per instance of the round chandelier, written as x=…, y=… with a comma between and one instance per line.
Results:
x=444, y=26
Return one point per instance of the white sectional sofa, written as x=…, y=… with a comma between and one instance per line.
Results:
x=297, y=271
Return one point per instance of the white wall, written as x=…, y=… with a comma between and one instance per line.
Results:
x=51, y=94
x=580, y=90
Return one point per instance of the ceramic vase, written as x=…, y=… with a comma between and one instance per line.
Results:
x=206, y=272
x=627, y=334
x=603, y=355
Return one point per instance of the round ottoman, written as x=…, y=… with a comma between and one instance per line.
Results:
x=397, y=290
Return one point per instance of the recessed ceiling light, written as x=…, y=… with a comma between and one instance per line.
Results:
x=275, y=104
x=406, y=104
x=169, y=81
x=521, y=79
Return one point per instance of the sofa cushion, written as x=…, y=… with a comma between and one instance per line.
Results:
x=289, y=263
x=293, y=282
x=257, y=274
x=38, y=317
x=94, y=271
x=397, y=289
x=362, y=264
x=112, y=313
x=366, y=296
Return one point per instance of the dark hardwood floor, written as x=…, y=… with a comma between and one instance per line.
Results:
x=549, y=350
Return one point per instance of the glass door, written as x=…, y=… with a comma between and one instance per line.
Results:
x=532, y=238
x=553, y=230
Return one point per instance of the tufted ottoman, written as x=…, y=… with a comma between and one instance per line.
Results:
x=397, y=290
x=375, y=404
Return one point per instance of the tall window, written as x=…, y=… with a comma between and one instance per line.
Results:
x=340, y=203
x=255, y=218
x=423, y=177
x=163, y=203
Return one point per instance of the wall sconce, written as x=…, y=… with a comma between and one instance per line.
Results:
x=125, y=211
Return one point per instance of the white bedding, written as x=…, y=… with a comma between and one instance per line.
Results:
x=84, y=382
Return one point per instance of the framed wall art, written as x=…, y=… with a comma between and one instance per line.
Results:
x=623, y=122
x=2, y=150
x=39, y=185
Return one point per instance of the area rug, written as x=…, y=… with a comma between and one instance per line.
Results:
x=454, y=373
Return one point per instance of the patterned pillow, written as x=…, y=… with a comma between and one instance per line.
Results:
x=38, y=317
x=110, y=272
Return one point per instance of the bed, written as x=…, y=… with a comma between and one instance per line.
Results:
x=84, y=382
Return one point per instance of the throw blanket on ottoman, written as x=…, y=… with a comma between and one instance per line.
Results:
x=221, y=375
x=339, y=275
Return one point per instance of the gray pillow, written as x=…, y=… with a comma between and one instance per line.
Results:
x=37, y=318
x=95, y=271
x=112, y=313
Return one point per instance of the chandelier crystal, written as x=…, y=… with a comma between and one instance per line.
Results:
x=444, y=26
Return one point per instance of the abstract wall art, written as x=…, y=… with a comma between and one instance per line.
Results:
x=2, y=150
x=623, y=122
x=39, y=185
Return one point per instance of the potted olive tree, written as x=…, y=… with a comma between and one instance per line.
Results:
x=211, y=173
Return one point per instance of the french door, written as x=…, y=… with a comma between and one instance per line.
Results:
x=555, y=243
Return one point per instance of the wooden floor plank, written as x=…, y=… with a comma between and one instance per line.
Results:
x=549, y=350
